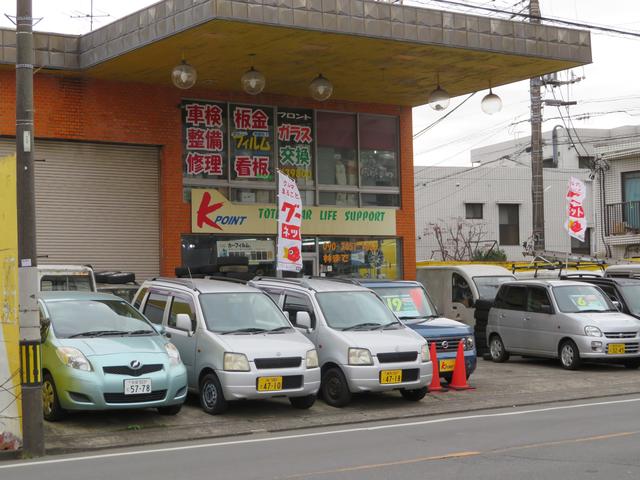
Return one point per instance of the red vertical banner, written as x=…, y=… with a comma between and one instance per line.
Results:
x=576, y=224
x=289, y=248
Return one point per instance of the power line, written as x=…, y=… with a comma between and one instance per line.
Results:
x=428, y=127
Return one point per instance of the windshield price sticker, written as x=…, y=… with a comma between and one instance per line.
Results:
x=401, y=303
x=588, y=302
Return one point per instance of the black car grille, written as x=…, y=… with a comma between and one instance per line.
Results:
x=278, y=362
x=393, y=357
x=450, y=342
x=126, y=370
x=620, y=334
x=289, y=382
x=140, y=398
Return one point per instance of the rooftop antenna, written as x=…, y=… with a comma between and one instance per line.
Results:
x=90, y=16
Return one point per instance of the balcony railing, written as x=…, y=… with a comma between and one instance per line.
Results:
x=623, y=218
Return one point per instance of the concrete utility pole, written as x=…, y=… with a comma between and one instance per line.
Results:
x=32, y=422
x=537, y=188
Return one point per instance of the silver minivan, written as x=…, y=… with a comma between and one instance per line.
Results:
x=234, y=341
x=361, y=344
x=564, y=319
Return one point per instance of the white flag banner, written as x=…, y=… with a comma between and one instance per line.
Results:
x=289, y=248
x=576, y=224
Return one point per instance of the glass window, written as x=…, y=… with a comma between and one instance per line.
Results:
x=340, y=199
x=380, y=200
x=204, y=136
x=509, y=224
x=154, y=308
x=54, y=283
x=360, y=258
x=337, y=160
x=501, y=297
x=139, y=297
x=354, y=310
x=298, y=303
x=295, y=144
x=473, y=211
x=632, y=298
x=581, y=298
x=515, y=298
x=538, y=301
x=408, y=303
x=251, y=131
x=586, y=162
x=378, y=151
x=461, y=291
x=241, y=313
x=488, y=286
x=582, y=248
x=182, y=305
x=251, y=195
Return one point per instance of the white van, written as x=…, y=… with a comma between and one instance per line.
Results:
x=77, y=278
x=628, y=270
x=456, y=288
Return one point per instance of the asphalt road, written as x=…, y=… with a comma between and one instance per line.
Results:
x=588, y=440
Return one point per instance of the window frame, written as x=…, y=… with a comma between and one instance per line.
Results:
x=500, y=235
x=466, y=211
x=308, y=300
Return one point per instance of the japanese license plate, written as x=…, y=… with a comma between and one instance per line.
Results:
x=615, y=348
x=447, y=365
x=269, y=384
x=390, y=376
x=137, y=386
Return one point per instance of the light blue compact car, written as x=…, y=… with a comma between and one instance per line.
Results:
x=100, y=353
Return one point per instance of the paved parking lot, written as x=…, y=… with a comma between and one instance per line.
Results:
x=515, y=383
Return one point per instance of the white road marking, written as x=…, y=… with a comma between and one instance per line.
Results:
x=312, y=434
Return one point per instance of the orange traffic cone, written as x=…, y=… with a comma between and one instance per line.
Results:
x=435, y=379
x=459, y=379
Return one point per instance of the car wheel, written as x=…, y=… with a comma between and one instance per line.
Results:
x=212, y=399
x=496, y=348
x=569, y=355
x=414, y=395
x=170, y=410
x=303, y=402
x=51, y=409
x=632, y=364
x=335, y=389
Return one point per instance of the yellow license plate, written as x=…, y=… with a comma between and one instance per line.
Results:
x=390, y=376
x=269, y=384
x=447, y=365
x=615, y=348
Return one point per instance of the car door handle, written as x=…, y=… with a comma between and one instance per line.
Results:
x=502, y=315
x=527, y=319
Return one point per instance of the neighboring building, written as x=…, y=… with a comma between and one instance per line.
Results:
x=122, y=152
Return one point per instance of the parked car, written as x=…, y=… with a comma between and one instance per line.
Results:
x=409, y=301
x=99, y=353
x=235, y=342
x=564, y=319
x=121, y=284
x=455, y=289
x=624, y=293
x=361, y=345
x=53, y=278
x=628, y=270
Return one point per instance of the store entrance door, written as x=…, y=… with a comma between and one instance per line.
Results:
x=310, y=264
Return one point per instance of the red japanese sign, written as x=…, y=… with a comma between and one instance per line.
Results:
x=204, y=138
x=251, y=142
x=295, y=143
x=289, y=225
x=576, y=224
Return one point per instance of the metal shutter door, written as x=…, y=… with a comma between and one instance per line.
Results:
x=97, y=204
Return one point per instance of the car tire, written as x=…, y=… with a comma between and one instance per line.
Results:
x=211, y=396
x=414, y=395
x=170, y=410
x=335, y=389
x=51, y=409
x=302, y=403
x=569, y=355
x=497, y=350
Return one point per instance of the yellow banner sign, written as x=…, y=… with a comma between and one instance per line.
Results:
x=212, y=212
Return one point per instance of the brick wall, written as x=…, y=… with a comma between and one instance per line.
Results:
x=92, y=110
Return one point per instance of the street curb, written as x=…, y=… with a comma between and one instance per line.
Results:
x=10, y=455
x=61, y=451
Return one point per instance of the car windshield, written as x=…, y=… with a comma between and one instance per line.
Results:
x=355, y=310
x=241, y=313
x=54, y=283
x=632, y=298
x=581, y=298
x=407, y=302
x=488, y=286
x=89, y=318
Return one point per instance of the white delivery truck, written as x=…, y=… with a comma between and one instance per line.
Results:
x=66, y=277
x=456, y=288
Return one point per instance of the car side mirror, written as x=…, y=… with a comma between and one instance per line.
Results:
x=183, y=322
x=303, y=320
x=617, y=304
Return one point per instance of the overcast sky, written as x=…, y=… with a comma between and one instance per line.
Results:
x=611, y=83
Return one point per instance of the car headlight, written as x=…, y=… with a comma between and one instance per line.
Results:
x=424, y=352
x=174, y=354
x=312, y=359
x=469, y=343
x=360, y=356
x=236, y=362
x=74, y=358
x=591, y=331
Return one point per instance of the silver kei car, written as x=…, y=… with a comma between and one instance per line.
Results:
x=572, y=321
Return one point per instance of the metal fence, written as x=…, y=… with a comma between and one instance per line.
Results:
x=623, y=218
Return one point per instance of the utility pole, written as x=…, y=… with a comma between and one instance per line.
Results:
x=31, y=378
x=537, y=187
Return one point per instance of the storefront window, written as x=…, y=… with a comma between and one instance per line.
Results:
x=295, y=144
x=378, y=151
x=341, y=199
x=380, y=200
x=252, y=142
x=251, y=195
x=204, y=137
x=337, y=143
x=360, y=258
